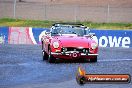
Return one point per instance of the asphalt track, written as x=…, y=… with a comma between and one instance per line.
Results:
x=21, y=66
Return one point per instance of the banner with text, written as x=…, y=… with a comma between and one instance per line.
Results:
x=29, y=35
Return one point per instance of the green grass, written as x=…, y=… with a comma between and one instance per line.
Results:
x=41, y=24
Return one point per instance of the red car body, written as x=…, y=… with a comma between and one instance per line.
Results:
x=69, y=46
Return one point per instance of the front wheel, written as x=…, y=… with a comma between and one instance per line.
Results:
x=51, y=58
x=45, y=56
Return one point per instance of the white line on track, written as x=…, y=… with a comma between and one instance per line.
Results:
x=115, y=60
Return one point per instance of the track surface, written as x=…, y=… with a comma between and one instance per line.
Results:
x=21, y=66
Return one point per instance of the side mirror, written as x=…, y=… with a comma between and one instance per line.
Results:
x=47, y=33
x=90, y=35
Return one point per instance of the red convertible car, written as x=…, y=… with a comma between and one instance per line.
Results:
x=69, y=42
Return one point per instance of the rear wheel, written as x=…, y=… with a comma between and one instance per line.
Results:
x=42, y=45
x=93, y=59
x=51, y=58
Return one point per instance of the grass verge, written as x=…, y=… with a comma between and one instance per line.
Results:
x=38, y=23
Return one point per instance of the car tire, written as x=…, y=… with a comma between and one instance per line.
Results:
x=51, y=58
x=93, y=59
x=42, y=45
x=45, y=56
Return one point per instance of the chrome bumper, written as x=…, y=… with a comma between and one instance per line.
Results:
x=71, y=52
x=82, y=54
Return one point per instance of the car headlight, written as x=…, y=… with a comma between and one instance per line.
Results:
x=55, y=44
x=94, y=45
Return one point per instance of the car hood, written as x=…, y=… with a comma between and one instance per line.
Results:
x=74, y=41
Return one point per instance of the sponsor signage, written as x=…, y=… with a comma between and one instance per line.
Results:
x=113, y=38
x=104, y=38
x=3, y=35
x=83, y=78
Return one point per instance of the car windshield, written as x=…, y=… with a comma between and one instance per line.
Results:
x=68, y=30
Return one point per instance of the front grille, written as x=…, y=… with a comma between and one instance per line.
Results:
x=82, y=50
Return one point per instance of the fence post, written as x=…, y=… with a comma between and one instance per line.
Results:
x=45, y=12
x=14, y=11
x=108, y=13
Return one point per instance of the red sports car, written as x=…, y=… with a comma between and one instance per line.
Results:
x=69, y=41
